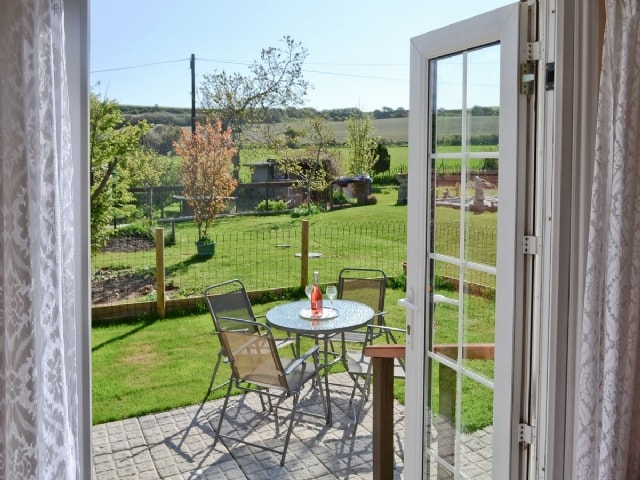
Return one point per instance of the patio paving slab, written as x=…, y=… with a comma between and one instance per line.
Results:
x=178, y=444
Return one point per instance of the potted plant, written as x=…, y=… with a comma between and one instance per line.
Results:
x=207, y=178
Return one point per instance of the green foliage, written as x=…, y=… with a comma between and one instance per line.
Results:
x=313, y=165
x=169, y=238
x=114, y=145
x=381, y=158
x=490, y=164
x=339, y=197
x=304, y=210
x=272, y=205
x=134, y=230
x=181, y=117
x=161, y=137
x=399, y=282
x=361, y=144
x=456, y=139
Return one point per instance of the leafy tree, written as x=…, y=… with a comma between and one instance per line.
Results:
x=161, y=137
x=381, y=158
x=113, y=147
x=275, y=81
x=315, y=163
x=153, y=170
x=206, y=177
x=361, y=143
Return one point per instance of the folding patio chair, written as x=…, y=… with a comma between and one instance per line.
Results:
x=256, y=366
x=230, y=300
x=368, y=286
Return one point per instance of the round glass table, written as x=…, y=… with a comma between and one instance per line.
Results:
x=342, y=316
x=339, y=316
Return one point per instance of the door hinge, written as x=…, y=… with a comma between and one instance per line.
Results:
x=526, y=434
x=530, y=245
x=527, y=77
x=533, y=50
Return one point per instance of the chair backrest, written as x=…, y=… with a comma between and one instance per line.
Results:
x=228, y=301
x=252, y=353
x=364, y=285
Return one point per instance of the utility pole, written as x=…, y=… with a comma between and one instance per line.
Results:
x=193, y=93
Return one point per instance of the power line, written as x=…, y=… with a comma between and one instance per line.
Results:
x=139, y=66
x=355, y=75
x=231, y=62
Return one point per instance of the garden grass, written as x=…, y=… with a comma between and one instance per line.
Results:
x=146, y=366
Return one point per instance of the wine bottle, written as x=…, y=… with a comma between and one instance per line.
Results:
x=316, y=296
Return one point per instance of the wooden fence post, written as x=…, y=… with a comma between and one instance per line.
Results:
x=160, y=300
x=304, y=255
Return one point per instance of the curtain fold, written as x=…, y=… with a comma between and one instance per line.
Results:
x=38, y=364
x=608, y=420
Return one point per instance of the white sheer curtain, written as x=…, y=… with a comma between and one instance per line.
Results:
x=38, y=384
x=608, y=420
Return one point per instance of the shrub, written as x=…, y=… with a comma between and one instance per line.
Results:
x=372, y=200
x=304, y=210
x=339, y=197
x=490, y=164
x=133, y=231
x=272, y=205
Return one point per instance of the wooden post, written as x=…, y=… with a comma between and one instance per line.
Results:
x=304, y=255
x=383, y=359
x=161, y=300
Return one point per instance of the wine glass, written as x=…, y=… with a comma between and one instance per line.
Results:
x=307, y=290
x=332, y=291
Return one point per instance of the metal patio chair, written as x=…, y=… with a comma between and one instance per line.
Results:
x=368, y=286
x=230, y=300
x=256, y=366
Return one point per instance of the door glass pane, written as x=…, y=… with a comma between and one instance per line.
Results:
x=464, y=164
x=476, y=437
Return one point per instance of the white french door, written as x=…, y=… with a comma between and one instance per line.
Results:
x=468, y=278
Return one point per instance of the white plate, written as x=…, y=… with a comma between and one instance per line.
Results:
x=327, y=313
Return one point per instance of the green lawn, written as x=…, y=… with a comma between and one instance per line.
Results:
x=146, y=366
x=151, y=365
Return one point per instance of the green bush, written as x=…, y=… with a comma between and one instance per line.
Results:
x=304, y=210
x=272, y=205
x=134, y=230
x=339, y=197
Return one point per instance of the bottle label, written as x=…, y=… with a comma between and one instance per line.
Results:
x=316, y=300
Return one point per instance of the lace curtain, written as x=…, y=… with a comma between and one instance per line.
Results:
x=38, y=384
x=608, y=428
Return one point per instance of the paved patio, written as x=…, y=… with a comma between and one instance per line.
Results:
x=177, y=444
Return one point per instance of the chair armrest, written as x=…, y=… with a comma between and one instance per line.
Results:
x=386, y=328
x=252, y=323
x=298, y=361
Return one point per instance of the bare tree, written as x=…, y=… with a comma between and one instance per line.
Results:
x=275, y=81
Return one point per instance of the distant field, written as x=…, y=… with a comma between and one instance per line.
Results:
x=396, y=130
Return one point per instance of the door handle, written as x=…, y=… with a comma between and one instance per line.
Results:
x=437, y=298
x=406, y=303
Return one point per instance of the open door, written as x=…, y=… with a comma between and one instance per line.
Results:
x=470, y=196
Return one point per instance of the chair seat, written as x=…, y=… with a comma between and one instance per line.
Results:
x=300, y=374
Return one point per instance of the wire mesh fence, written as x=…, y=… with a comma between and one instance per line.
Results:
x=263, y=260
x=272, y=259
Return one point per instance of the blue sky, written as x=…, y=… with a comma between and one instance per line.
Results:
x=358, y=51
